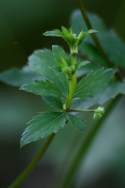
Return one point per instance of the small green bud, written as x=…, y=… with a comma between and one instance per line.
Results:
x=81, y=37
x=69, y=36
x=99, y=112
x=74, y=49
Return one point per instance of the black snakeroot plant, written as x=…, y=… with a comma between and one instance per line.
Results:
x=88, y=73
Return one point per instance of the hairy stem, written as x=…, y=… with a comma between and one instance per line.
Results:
x=21, y=178
x=86, y=144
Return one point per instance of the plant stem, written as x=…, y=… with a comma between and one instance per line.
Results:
x=92, y=132
x=87, y=143
x=21, y=178
x=82, y=110
x=72, y=87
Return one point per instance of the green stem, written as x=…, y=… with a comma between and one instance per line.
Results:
x=21, y=178
x=72, y=87
x=92, y=132
x=86, y=144
x=82, y=110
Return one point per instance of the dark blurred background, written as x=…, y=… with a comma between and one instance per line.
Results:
x=22, y=23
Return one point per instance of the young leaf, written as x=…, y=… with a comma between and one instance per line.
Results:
x=42, y=88
x=73, y=40
x=43, y=125
x=64, y=33
x=93, y=83
x=54, y=33
x=16, y=77
x=76, y=122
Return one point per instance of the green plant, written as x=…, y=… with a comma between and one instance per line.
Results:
x=88, y=72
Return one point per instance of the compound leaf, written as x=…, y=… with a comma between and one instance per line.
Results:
x=93, y=83
x=102, y=97
x=43, y=125
x=46, y=63
x=40, y=60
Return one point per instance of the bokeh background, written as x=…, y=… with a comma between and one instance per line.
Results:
x=22, y=23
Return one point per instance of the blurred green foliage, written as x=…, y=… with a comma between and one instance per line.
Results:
x=22, y=23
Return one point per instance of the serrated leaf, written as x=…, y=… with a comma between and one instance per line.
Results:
x=76, y=122
x=43, y=125
x=40, y=60
x=42, y=65
x=110, y=92
x=16, y=77
x=93, y=83
x=42, y=88
x=45, y=63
